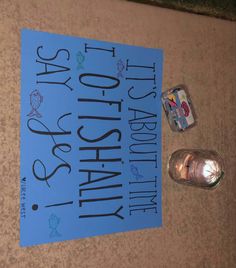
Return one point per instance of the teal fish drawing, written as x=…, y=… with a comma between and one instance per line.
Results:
x=35, y=101
x=120, y=68
x=80, y=60
x=53, y=223
x=135, y=172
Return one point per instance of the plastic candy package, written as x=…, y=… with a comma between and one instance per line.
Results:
x=178, y=108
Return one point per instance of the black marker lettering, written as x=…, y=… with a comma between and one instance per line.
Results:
x=86, y=48
x=104, y=214
x=54, y=57
x=58, y=69
x=104, y=136
x=97, y=150
x=99, y=77
x=92, y=173
x=57, y=83
x=139, y=66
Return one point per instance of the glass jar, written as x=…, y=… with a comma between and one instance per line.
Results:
x=202, y=168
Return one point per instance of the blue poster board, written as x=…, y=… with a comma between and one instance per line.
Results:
x=90, y=138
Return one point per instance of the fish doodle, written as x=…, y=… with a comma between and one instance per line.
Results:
x=35, y=101
x=120, y=68
x=53, y=222
x=135, y=172
x=80, y=60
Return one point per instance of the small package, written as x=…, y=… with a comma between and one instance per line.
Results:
x=178, y=108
